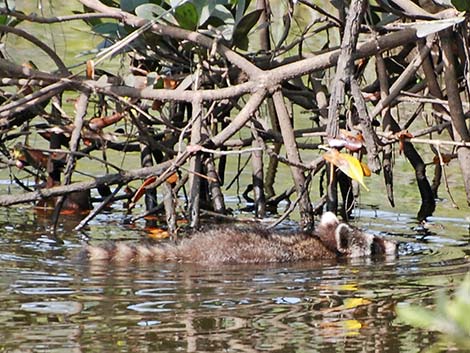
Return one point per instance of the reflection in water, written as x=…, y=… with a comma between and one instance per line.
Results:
x=51, y=303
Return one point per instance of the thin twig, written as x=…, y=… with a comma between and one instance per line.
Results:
x=446, y=181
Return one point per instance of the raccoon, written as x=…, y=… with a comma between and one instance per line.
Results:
x=331, y=240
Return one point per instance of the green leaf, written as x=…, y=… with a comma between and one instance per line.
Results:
x=223, y=14
x=5, y=19
x=108, y=29
x=226, y=31
x=242, y=43
x=187, y=16
x=240, y=7
x=458, y=311
x=204, y=10
x=154, y=12
x=416, y=316
x=240, y=35
x=131, y=5
x=461, y=5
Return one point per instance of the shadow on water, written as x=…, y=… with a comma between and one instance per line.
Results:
x=49, y=302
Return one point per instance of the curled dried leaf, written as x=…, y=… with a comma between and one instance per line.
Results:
x=350, y=140
x=96, y=124
x=446, y=158
x=141, y=191
x=90, y=70
x=402, y=136
x=172, y=179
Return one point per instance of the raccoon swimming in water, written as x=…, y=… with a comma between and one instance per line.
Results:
x=330, y=240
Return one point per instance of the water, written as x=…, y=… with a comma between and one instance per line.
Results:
x=50, y=302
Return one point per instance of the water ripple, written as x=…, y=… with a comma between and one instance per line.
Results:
x=152, y=307
x=53, y=307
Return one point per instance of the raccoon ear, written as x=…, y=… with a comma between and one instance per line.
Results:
x=329, y=218
x=342, y=237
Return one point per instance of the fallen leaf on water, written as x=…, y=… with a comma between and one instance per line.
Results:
x=158, y=233
x=351, y=303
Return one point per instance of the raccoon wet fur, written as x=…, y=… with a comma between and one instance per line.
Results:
x=330, y=240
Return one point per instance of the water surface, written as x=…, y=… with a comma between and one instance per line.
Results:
x=50, y=302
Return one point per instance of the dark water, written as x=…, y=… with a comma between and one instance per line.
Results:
x=49, y=302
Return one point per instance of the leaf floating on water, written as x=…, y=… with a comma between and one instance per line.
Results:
x=350, y=303
x=158, y=233
x=348, y=164
x=352, y=325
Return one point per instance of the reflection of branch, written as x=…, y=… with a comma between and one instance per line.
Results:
x=110, y=179
x=81, y=108
x=327, y=14
x=8, y=68
x=39, y=19
x=19, y=32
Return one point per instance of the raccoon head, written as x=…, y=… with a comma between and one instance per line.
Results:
x=352, y=242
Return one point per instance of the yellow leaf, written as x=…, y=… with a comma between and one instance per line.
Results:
x=158, y=233
x=348, y=164
x=350, y=303
x=349, y=287
x=352, y=326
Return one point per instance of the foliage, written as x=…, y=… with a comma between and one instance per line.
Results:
x=461, y=5
x=5, y=19
x=230, y=19
x=450, y=316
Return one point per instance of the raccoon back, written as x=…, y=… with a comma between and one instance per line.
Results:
x=221, y=245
